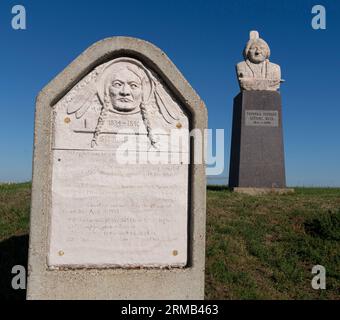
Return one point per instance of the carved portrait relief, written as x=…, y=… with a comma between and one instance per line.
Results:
x=121, y=94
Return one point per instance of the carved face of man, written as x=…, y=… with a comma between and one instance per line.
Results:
x=125, y=90
x=258, y=52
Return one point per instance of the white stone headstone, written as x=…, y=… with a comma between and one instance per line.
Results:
x=118, y=207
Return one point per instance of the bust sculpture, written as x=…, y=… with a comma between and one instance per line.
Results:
x=256, y=72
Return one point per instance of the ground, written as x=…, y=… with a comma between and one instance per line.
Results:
x=258, y=247
x=264, y=247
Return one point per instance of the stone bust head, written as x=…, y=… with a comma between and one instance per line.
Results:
x=256, y=51
x=256, y=72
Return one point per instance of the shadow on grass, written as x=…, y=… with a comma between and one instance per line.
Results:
x=13, y=251
x=217, y=188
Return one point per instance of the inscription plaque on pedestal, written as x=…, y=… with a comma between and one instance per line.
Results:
x=262, y=118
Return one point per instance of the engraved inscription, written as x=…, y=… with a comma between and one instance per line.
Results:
x=262, y=118
x=105, y=213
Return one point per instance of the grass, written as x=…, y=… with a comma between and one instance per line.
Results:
x=258, y=247
x=14, y=219
x=264, y=247
x=14, y=209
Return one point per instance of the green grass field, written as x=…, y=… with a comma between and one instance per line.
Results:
x=258, y=247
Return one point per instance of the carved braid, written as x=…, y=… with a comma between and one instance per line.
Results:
x=146, y=120
x=100, y=123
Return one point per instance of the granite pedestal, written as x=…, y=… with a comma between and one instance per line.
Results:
x=257, y=151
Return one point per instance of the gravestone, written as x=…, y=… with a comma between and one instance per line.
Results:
x=257, y=152
x=118, y=208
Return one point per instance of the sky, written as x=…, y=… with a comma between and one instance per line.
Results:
x=205, y=40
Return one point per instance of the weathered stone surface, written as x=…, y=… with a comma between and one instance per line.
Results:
x=256, y=72
x=95, y=216
x=257, y=153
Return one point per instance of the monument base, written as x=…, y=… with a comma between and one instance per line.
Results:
x=263, y=191
x=257, y=154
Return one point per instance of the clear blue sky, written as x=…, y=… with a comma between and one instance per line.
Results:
x=204, y=39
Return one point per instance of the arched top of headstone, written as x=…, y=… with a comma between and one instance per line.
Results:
x=112, y=48
x=84, y=93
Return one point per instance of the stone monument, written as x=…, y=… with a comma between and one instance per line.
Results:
x=257, y=152
x=113, y=215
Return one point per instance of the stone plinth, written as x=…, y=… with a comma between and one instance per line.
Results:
x=263, y=191
x=257, y=152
